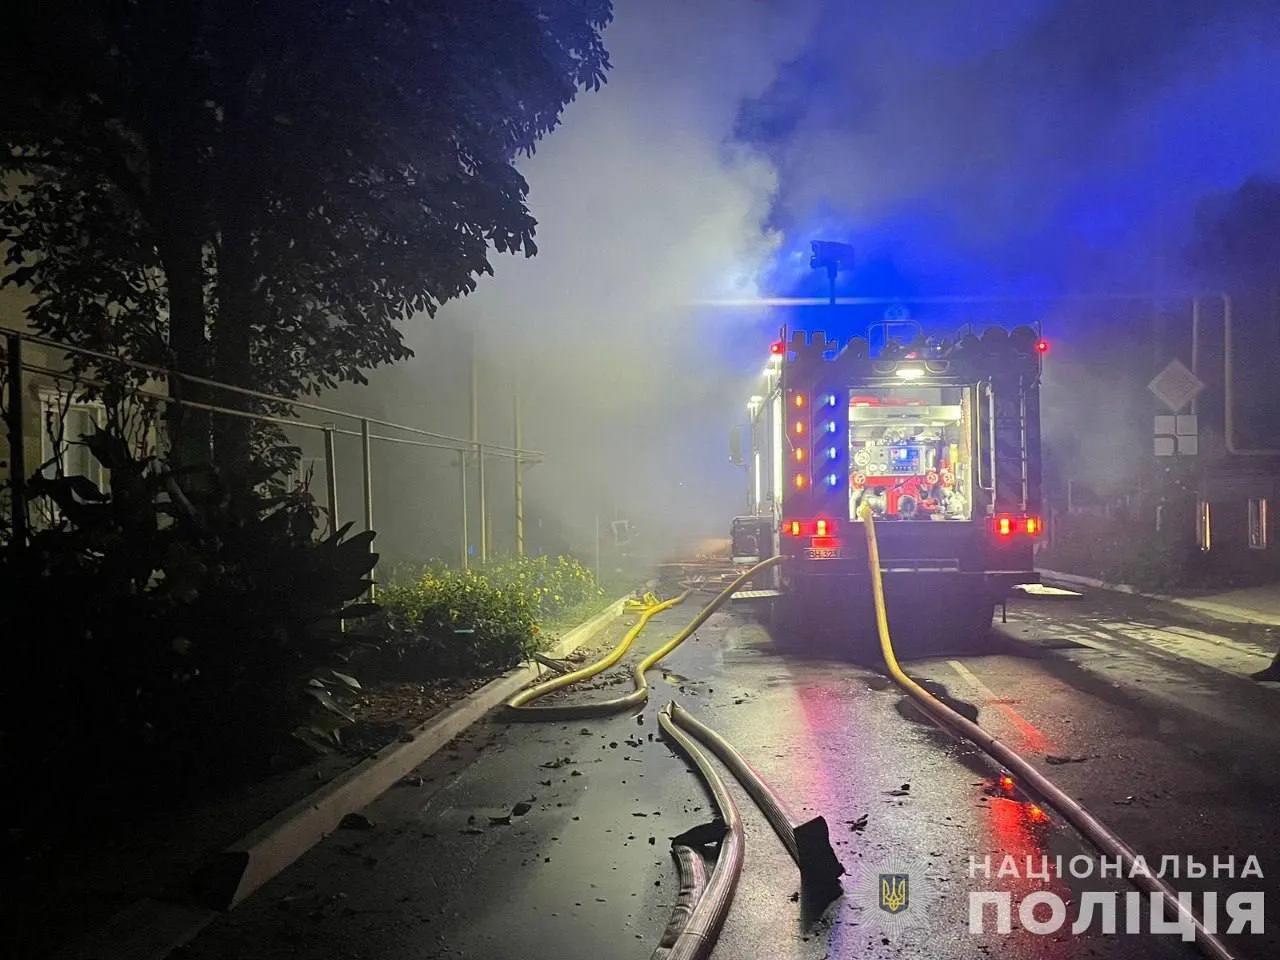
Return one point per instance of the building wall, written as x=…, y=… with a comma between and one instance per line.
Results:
x=13, y=304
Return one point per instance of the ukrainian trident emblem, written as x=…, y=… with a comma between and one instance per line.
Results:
x=895, y=892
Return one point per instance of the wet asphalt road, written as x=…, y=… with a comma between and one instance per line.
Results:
x=1168, y=745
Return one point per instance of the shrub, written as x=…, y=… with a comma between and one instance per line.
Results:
x=174, y=621
x=452, y=623
x=1118, y=550
x=552, y=584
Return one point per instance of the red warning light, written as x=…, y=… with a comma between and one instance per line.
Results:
x=1042, y=345
x=777, y=348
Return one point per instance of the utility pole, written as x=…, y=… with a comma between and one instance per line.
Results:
x=478, y=449
x=462, y=476
x=366, y=460
x=519, y=468
x=331, y=474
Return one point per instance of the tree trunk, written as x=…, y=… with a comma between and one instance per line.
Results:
x=181, y=221
x=232, y=340
x=233, y=326
x=181, y=251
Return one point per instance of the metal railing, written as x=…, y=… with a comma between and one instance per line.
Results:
x=469, y=451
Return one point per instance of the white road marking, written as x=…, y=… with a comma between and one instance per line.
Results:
x=972, y=679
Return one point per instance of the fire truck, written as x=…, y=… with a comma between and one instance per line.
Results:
x=939, y=437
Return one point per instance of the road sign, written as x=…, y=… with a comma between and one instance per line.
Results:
x=1175, y=386
x=1177, y=436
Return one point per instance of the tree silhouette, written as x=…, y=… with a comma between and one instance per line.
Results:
x=261, y=190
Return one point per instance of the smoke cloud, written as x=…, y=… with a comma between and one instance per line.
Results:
x=1033, y=143
x=1038, y=145
x=645, y=204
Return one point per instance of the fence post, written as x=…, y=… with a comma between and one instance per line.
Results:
x=331, y=475
x=17, y=441
x=366, y=457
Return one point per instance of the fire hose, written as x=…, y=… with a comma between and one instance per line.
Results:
x=703, y=901
x=518, y=709
x=1074, y=812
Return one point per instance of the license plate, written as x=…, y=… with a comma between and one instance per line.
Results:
x=823, y=553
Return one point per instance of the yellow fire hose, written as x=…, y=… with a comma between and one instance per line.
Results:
x=1075, y=813
x=517, y=707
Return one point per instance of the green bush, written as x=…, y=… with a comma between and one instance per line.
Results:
x=451, y=623
x=1118, y=550
x=552, y=584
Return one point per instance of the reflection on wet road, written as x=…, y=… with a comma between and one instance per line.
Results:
x=1177, y=754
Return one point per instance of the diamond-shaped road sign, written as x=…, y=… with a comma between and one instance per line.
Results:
x=1175, y=385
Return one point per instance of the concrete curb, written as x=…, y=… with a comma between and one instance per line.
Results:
x=151, y=929
x=1221, y=611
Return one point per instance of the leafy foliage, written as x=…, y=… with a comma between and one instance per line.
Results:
x=448, y=623
x=261, y=191
x=171, y=631
x=1117, y=551
x=552, y=584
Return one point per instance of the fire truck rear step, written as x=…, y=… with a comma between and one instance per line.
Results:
x=757, y=595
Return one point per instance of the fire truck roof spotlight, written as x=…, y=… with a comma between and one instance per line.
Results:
x=910, y=371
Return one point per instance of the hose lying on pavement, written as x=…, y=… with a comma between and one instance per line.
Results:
x=703, y=902
x=809, y=843
x=1075, y=813
x=693, y=882
x=691, y=934
x=517, y=707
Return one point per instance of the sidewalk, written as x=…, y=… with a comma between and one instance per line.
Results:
x=1248, y=605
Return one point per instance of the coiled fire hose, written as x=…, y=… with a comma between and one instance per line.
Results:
x=1075, y=813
